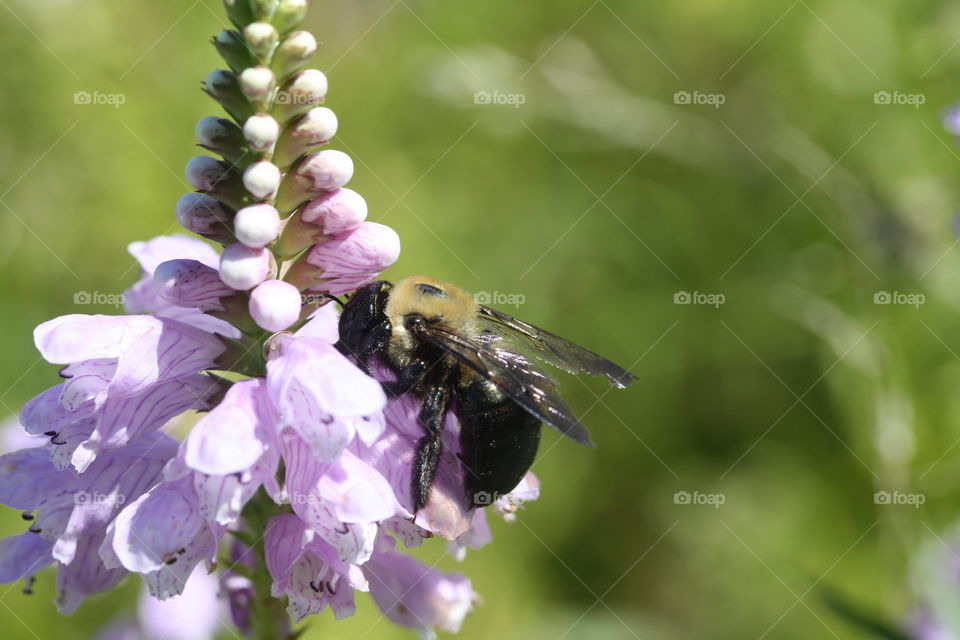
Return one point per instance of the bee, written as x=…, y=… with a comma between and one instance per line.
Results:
x=456, y=355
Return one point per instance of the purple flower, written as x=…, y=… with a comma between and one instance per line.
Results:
x=297, y=464
x=417, y=596
x=308, y=571
x=72, y=512
x=145, y=297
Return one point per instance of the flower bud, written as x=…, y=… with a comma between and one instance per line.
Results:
x=190, y=283
x=234, y=50
x=261, y=179
x=304, y=91
x=262, y=37
x=261, y=132
x=331, y=214
x=243, y=268
x=289, y=14
x=257, y=226
x=257, y=84
x=314, y=128
x=222, y=136
x=223, y=87
x=263, y=9
x=275, y=305
x=201, y=214
x=294, y=53
x=239, y=12
x=204, y=173
x=316, y=173
x=348, y=261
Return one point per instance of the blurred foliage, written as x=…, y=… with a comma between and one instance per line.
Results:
x=597, y=200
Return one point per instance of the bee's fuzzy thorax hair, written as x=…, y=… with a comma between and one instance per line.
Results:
x=434, y=300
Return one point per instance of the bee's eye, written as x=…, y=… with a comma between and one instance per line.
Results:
x=430, y=290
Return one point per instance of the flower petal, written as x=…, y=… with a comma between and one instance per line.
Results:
x=229, y=439
x=23, y=555
x=150, y=531
x=417, y=596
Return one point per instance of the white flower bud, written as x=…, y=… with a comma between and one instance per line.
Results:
x=327, y=170
x=257, y=83
x=336, y=212
x=257, y=226
x=261, y=132
x=243, y=268
x=315, y=174
x=262, y=37
x=204, y=172
x=275, y=305
x=315, y=128
x=301, y=44
x=307, y=89
x=294, y=52
x=262, y=179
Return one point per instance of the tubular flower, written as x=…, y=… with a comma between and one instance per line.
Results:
x=294, y=480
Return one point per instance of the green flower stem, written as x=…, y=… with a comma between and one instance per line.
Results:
x=268, y=615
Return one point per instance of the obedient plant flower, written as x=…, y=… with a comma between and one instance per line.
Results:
x=291, y=487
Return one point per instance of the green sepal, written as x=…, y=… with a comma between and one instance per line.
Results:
x=234, y=50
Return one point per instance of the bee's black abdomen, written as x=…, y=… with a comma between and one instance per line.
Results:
x=498, y=442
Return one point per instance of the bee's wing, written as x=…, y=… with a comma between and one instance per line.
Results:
x=516, y=375
x=553, y=349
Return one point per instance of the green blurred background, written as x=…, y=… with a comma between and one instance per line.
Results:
x=595, y=202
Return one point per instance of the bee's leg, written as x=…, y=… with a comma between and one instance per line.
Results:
x=409, y=378
x=427, y=456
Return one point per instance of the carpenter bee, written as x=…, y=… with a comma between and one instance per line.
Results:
x=456, y=355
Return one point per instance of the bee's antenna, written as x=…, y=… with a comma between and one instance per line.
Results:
x=335, y=299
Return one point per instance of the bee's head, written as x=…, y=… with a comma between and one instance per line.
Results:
x=422, y=299
x=363, y=311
